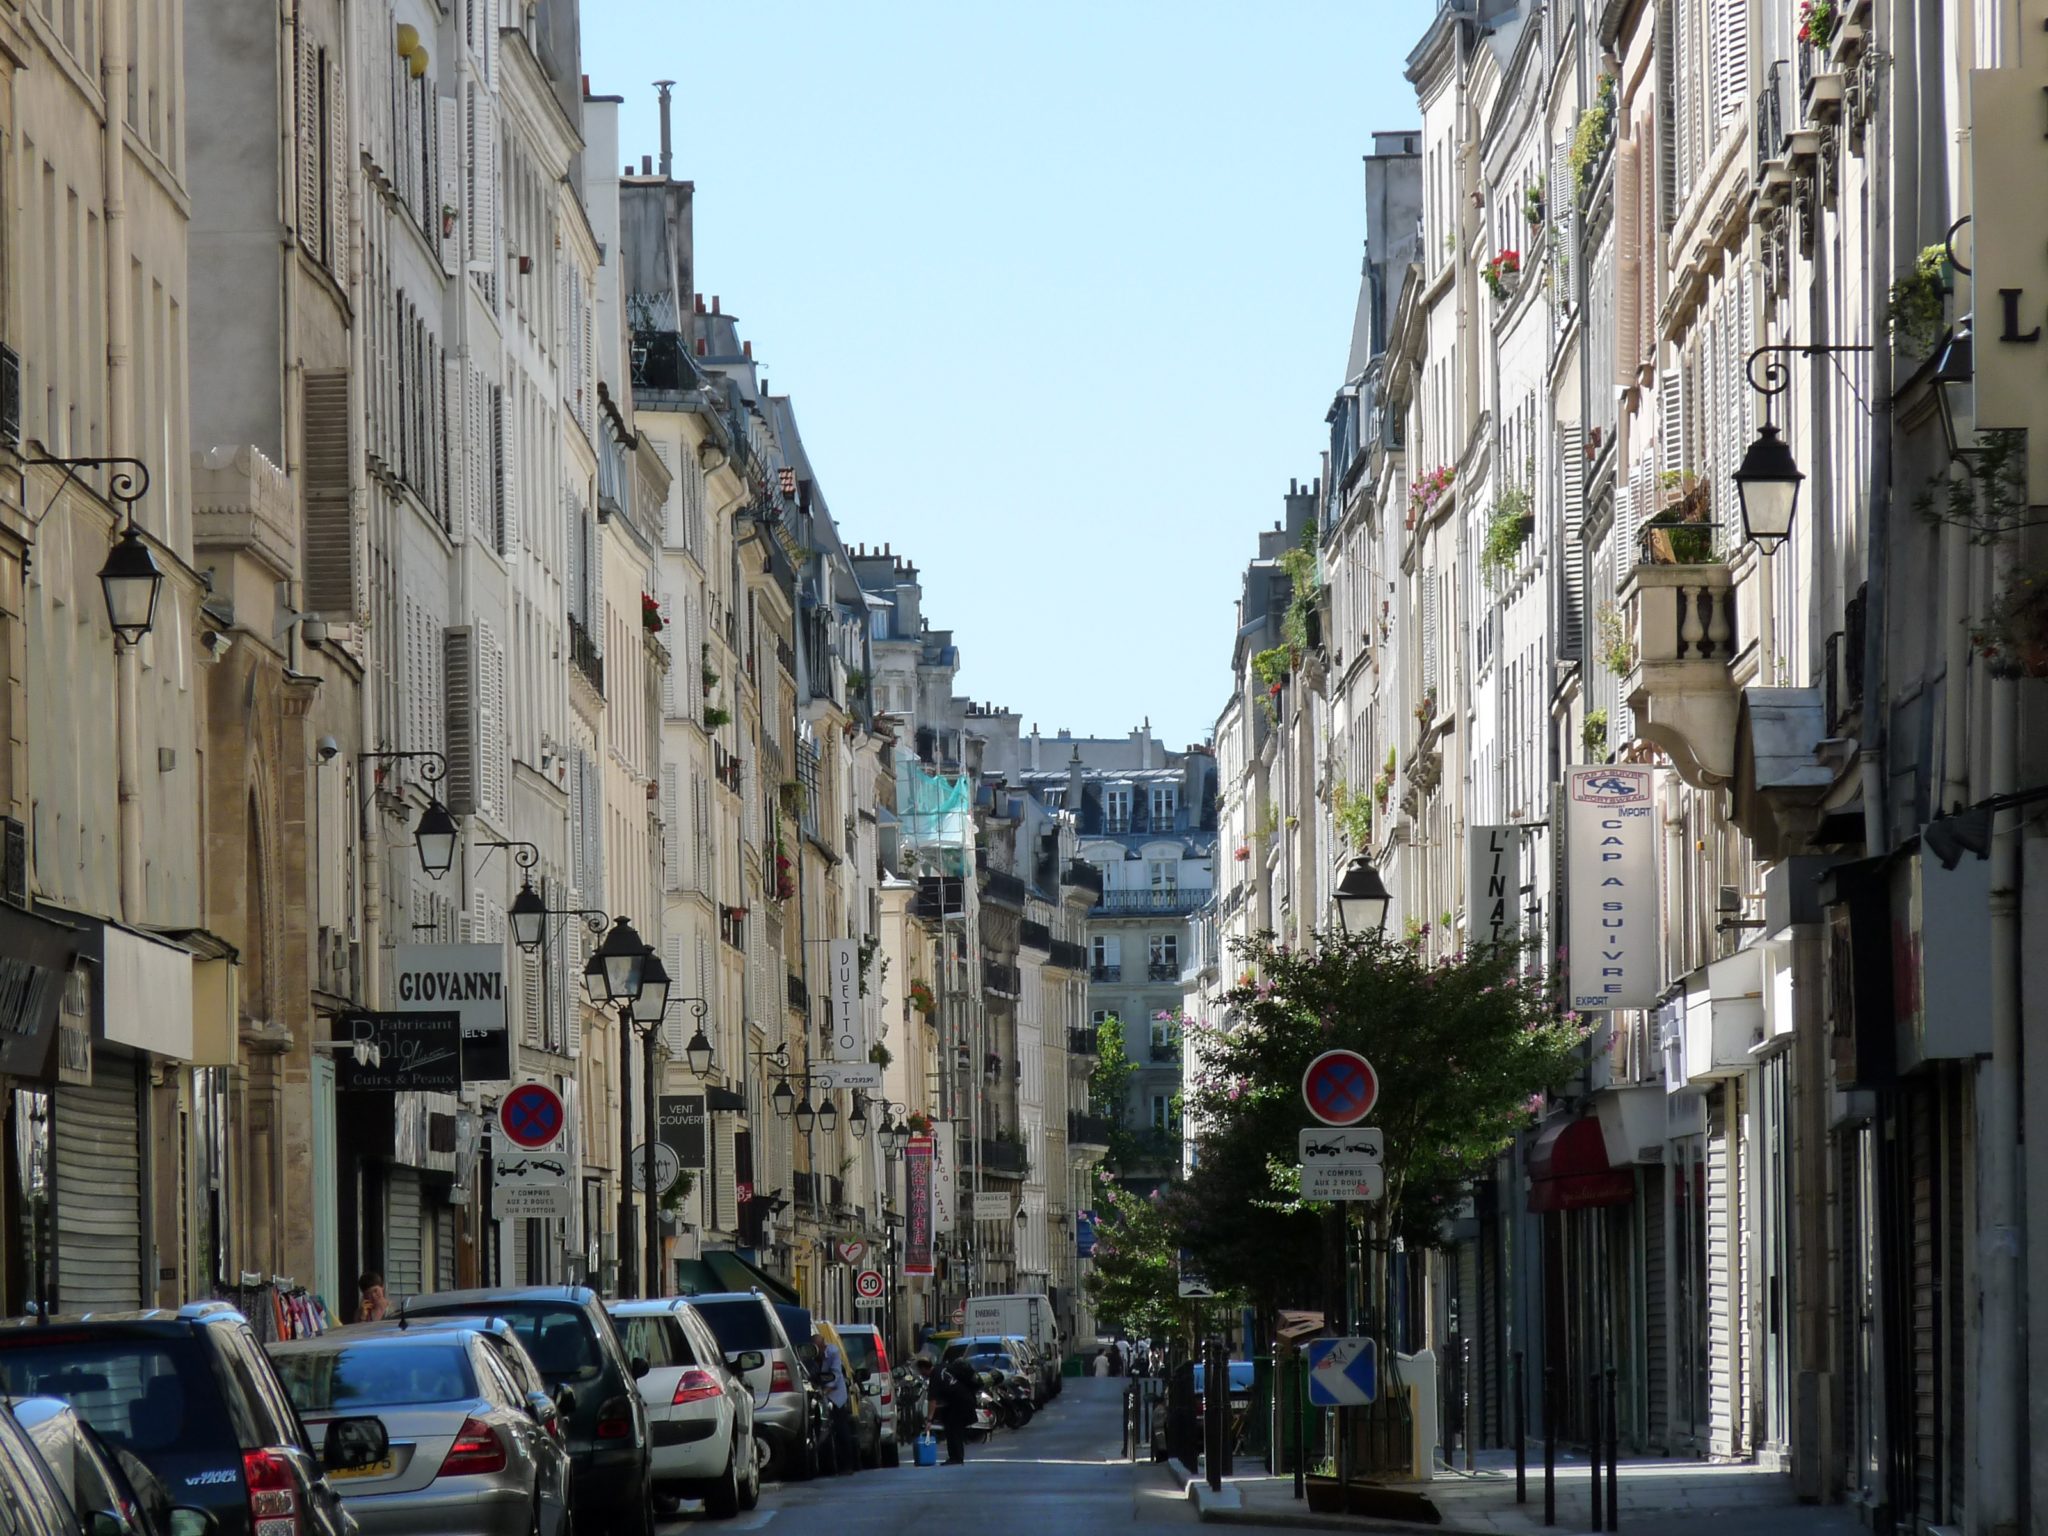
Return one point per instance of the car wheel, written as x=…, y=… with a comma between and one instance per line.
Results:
x=722, y=1498
x=750, y=1486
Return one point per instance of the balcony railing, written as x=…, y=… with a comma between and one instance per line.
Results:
x=1088, y=1131
x=1681, y=635
x=1083, y=876
x=1001, y=886
x=584, y=654
x=1084, y=1042
x=1004, y=1157
x=1068, y=956
x=1003, y=980
x=1772, y=174
x=1105, y=973
x=1161, y=902
x=1036, y=936
x=1162, y=970
x=1113, y=823
x=799, y=994
x=939, y=896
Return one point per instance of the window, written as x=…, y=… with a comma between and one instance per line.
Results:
x=1116, y=808
x=878, y=623
x=1165, y=800
x=1165, y=1037
x=1164, y=951
x=1101, y=1016
x=1165, y=1115
x=1108, y=956
x=1165, y=874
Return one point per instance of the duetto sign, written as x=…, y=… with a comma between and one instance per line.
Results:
x=1610, y=827
x=2009, y=260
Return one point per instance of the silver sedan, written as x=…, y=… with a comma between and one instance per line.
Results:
x=468, y=1456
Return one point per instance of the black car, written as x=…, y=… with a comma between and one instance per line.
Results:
x=190, y=1396
x=572, y=1343
x=109, y=1490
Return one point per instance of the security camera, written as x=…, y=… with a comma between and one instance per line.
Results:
x=328, y=749
x=313, y=629
x=217, y=642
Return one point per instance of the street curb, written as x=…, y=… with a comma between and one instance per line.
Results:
x=1178, y=1472
x=1208, y=1501
x=1218, y=1514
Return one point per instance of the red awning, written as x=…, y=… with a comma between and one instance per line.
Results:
x=1569, y=1171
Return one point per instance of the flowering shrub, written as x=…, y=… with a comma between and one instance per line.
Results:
x=921, y=998
x=650, y=613
x=1817, y=22
x=785, y=878
x=1424, y=494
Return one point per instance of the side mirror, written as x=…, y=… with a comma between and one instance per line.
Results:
x=541, y=1407
x=638, y=1366
x=186, y=1521
x=353, y=1443
x=862, y=1374
x=565, y=1399
x=747, y=1360
x=105, y=1523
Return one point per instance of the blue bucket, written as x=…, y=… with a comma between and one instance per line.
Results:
x=927, y=1451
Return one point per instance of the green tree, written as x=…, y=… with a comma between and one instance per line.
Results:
x=1462, y=1048
x=1130, y=1146
x=1134, y=1283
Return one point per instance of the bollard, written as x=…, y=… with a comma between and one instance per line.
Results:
x=1549, y=1444
x=1613, y=1456
x=1216, y=1410
x=1465, y=1398
x=1521, y=1434
x=1593, y=1451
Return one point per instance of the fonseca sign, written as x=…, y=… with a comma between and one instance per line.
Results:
x=2009, y=262
x=467, y=980
x=1610, y=827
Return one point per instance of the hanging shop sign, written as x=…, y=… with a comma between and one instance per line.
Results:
x=682, y=1119
x=2008, y=257
x=1610, y=826
x=917, y=1206
x=407, y=1053
x=945, y=1178
x=842, y=991
x=470, y=980
x=35, y=960
x=1493, y=883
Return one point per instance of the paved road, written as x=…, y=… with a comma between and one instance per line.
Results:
x=1061, y=1476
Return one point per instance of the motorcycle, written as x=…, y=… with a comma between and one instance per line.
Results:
x=1013, y=1405
x=912, y=1408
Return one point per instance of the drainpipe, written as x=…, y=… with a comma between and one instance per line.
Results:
x=2001, y=1345
x=121, y=437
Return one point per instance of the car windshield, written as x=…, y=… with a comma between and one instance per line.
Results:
x=558, y=1337
x=376, y=1375
x=739, y=1325
x=147, y=1396
x=983, y=1361
x=861, y=1354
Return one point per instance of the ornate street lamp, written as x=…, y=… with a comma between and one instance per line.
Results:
x=782, y=1098
x=529, y=916
x=131, y=581
x=806, y=1117
x=435, y=838
x=623, y=959
x=1362, y=898
x=650, y=1002
x=1768, y=486
x=857, y=1117
x=828, y=1115
x=698, y=1052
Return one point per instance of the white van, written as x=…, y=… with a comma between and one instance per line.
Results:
x=1028, y=1317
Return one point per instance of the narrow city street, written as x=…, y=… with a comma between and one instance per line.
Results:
x=1061, y=1474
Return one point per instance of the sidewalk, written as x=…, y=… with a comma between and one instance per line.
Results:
x=1681, y=1498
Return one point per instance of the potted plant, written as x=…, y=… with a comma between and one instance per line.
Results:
x=856, y=683
x=1594, y=734
x=650, y=613
x=1817, y=22
x=1532, y=204
x=785, y=877
x=922, y=1000
x=1501, y=272
x=2014, y=635
x=714, y=717
x=1425, y=493
x=1617, y=651
x=1506, y=532
x=1242, y=854
x=1589, y=137
x=1425, y=707
x=448, y=217
x=791, y=793
x=1916, y=307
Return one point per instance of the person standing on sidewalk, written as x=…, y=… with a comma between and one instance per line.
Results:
x=956, y=1388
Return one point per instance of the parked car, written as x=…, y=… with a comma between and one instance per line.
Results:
x=1019, y=1352
x=1240, y=1376
x=191, y=1396
x=573, y=1345
x=867, y=1356
x=107, y=1492
x=699, y=1412
x=467, y=1455
x=503, y=1339
x=786, y=1416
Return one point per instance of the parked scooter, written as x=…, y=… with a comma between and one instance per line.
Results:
x=1013, y=1404
x=912, y=1409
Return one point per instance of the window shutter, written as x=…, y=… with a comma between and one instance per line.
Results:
x=507, y=487
x=1731, y=61
x=491, y=742
x=700, y=834
x=449, y=155
x=1572, y=463
x=678, y=653
x=308, y=138
x=575, y=777
x=330, y=523
x=1628, y=241
x=530, y=999
x=1667, y=117
x=1671, y=424
x=671, y=519
x=483, y=185
x=475, y=453
x=671, y=830
x=1563, y=200
x=456, y=457
x=340, y=170
x=460, y=707
x=1428, y=630
x=727, y=1192
x=490, y=48
x=1641, y=503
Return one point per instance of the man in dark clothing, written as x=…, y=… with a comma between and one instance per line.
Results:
x=956, y=1387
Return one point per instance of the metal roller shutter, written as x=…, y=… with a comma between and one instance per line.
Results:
x=404, y=1272
x=444, y=1248
x=1722, y=1372
x=1656, y=1315
x=96, y=1136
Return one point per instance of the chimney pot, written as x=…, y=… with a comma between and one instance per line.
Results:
x=668, y=159
x=701, y=352
x=700, y=303
x=748, y=348
x=714, y=303
x=647, y=165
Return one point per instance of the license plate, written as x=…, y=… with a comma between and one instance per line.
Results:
x=374, y=1469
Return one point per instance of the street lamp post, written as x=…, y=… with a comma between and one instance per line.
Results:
x=435, y=836
x=614, y=976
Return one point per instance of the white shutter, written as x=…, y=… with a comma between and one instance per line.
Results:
x=671, y=829
x=490, y=736
x=483, y=182
x=1667, y=117
x=490, y=49
x=1628, y=269
x=454, y=439
x=463, y=716
x=448, y=114
x=307, y=135
x=678, y=653
x=727, y=1192
x=707, y=980
x=476, y=455
x=701, y=852
x=1731, y=59
x=1428, y=630
x=681, y=1020
x=341, y=171
x=508, y=472
x=576, y=828
x=1671, y=424
x=1563, y=204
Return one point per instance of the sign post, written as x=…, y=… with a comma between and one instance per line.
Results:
x=531, y=1116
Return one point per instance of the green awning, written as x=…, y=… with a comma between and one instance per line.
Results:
x=721, y=1269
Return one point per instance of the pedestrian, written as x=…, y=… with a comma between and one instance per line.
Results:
x=959, y=1390
x=1116, y=1358
x=374, y=1304
x=1102, y=1364
x=832, y=1378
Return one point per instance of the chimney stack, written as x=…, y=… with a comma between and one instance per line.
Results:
x=647, y=165
x=668, y=159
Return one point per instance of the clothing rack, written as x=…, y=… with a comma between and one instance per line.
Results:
x=277, y=1307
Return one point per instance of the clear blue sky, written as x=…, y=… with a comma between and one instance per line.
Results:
x=1061, y=292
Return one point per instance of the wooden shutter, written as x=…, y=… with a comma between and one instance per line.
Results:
x=490, y=40
x=1563, y=201
x=678, y=654
x=530, y=999
x=1731, y=59
x=1671, y=425
x=306, y=133
x=491, y=743
x=505, y=479
x=455, y=512
x=575, y=777
x=462, y=724
x=1572, y=468
x=1429, y=643
x=1628, y=264
x=727, y=1191
x=325, y=423
x=449, y=240
x=340, y=171
x=671, y=830
x=483, y=184
x=1667, y=117
x=476, y=454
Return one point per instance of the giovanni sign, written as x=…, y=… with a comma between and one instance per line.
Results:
x=1610, y=826
x=469, y=981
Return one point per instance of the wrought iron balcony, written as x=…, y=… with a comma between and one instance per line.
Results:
x=1083, y=876
x=1003, y=980
x=1084, y=1041
x=1088, y=1131
x=1068, y=956
x=999, y=1156
x=1001, y=886
x=1034, y=936
x=1679, y=628
x=1105, y=973
x=1162, y=902
x=1162, y=970
x=585, y=655
x=799, y=994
